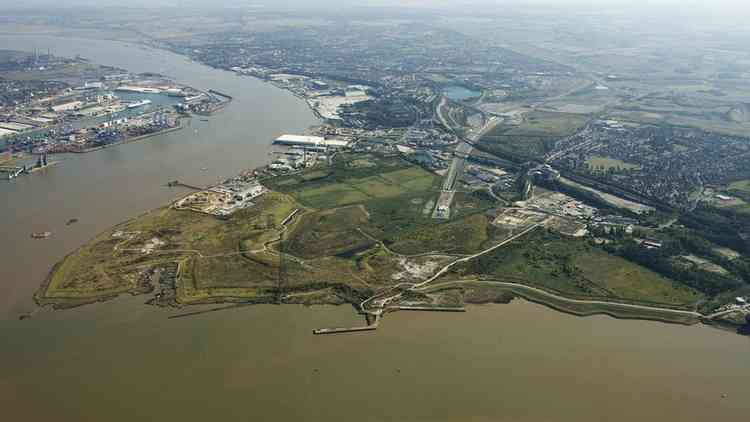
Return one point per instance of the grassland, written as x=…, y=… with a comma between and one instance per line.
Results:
x=484, y=291
x=742, y=186
x=360, y=228
x=200, y=243
x=330, y=233
x=576, y=269
x=325, y=247
x=531, y=137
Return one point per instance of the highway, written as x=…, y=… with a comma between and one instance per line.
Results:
x=458, y=164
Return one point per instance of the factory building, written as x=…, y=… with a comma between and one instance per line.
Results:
x=311, y=142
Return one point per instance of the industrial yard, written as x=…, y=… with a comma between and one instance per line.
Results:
x=70, y=105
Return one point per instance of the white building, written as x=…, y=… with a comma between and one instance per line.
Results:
x=311, y=142
x=249, y=192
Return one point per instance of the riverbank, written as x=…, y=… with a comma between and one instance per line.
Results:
x=577, y=307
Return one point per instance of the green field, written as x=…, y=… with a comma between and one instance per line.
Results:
x=742, y=186
x=629, y=281
x=355, y=183
x=238, y=258
x=576, y=269
x=114, y=261
x=328, y=196
x=462, y=236
x=359, y=228
x=377, y=187
x=329, y=233
x=530, y=139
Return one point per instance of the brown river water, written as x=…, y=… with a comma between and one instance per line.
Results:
x=126, y=361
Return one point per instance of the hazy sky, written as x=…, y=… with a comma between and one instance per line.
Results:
x=712, y=7
x=339, y=3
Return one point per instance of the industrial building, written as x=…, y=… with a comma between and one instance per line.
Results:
x=311, y=142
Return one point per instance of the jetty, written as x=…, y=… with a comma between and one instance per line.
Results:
x=178, y=184
x=370, y=327
x=429, y=308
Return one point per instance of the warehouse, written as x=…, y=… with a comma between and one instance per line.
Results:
x=310, y=142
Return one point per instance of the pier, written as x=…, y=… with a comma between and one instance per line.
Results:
x=429, y=308
x=321, y=331
x=371, y=327
x=178, y=184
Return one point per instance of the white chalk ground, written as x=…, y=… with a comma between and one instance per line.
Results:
x=414, y=270
x=329, y=107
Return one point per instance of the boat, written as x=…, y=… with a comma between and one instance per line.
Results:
x=139, y=104
x=41, y=235
x=72, y=221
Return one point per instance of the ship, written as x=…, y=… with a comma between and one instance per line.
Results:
x=139, y=104
x=41, y=235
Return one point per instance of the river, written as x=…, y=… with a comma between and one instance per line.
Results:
x=125, y=361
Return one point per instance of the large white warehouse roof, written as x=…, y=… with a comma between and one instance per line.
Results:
x=310, y=141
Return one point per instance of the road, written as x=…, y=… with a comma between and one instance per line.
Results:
x=458, y=165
